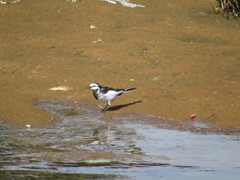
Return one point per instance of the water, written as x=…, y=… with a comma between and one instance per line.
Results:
x=82, y=143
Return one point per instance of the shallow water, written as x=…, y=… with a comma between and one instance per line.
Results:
x=80, y=142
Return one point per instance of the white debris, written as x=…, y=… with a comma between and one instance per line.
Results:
x=3, y=2
x=111, y=1
x=60, y=88
x=124, y=3
x=73, y=0
x=98, y=41
x=95, y=142
x=93, y=27
x=28, y=125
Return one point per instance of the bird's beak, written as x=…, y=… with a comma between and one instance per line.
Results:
x=88, y=87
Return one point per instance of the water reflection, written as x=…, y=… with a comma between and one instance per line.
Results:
x=82, y=143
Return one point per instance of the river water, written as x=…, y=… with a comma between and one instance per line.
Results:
x=80, y=142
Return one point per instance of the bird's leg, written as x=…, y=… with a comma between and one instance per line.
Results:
x=107, y=106
x=105, y=109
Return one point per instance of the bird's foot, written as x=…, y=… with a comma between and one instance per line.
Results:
x=105, y=109
x=102, y=111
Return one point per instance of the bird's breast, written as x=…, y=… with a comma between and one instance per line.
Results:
x=95, y=94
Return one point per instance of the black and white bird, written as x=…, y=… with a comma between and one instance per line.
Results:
x=107, y=94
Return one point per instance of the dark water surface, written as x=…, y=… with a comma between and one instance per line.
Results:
x=83, y=143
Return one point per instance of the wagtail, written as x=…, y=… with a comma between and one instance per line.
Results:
x=107, y=94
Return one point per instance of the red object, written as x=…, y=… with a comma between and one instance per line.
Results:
x=192, y=116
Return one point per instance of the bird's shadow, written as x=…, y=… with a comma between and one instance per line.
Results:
x=115, y=108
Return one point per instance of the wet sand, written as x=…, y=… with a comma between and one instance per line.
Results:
x=181, y=60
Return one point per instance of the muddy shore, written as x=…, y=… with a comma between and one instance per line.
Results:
x=181, y=59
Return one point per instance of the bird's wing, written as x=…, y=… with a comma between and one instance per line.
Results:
x=104, y=90
x=109, y=90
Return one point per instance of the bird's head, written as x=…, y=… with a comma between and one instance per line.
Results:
x=94, y=86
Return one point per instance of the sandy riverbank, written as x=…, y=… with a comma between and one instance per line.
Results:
x=181, y=60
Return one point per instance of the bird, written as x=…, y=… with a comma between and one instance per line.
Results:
x=107, y=94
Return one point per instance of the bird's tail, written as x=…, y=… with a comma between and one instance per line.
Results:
x=129, y=89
